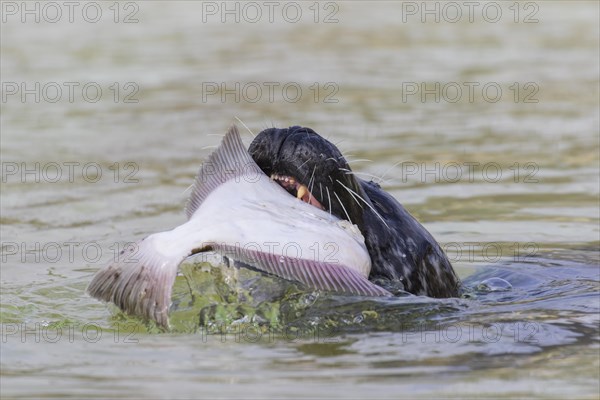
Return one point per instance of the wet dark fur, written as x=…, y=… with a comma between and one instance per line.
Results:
x=401, y=249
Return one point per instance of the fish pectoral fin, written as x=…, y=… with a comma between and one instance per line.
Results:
x=141, y=280
x=327, y=276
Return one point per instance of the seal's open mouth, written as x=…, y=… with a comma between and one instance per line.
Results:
x=297, y=189
x=312, y=169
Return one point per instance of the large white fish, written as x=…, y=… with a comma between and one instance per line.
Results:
x=239, y=212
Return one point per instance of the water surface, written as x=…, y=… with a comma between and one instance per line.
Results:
x=524, y=207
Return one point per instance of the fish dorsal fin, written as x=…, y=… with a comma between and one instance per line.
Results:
x=229, y=161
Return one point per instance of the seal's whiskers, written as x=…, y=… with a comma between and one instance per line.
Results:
x=329, y=198
x=344, y=208
x=245, y=126
x=352, y=192
x=388, y=170
x=349, y=172
x=311, y=183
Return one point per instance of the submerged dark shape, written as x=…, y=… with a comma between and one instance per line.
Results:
x=313, y=169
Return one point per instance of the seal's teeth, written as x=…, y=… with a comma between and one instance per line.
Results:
x=302, y=191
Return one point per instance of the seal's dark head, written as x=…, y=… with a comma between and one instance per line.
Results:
x=312, y=169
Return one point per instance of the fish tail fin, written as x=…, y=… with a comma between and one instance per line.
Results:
x=140, y=281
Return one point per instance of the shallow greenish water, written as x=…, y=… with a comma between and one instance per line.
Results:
x=524, y=206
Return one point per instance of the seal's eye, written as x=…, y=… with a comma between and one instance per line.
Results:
x=297, y=189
